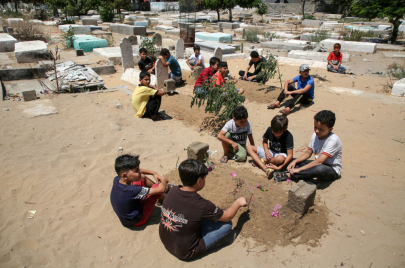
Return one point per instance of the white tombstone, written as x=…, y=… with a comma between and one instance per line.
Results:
x=218, y=53
x=127, y=56
x=179, y=49
x=162, y=74
x=158, y=39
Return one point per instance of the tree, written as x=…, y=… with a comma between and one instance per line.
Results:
x=371, y=9
x=262, y=9
x=344, y=6
x=216, y=5
x=73, y=7
x=242, y=3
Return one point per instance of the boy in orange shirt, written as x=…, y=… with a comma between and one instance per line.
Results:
x=219, y=77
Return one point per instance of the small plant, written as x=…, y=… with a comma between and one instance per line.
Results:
x=268, y=68
x=262, y=9
x=149, y=44
x=397, y=70
x=56, y=86
x=251, y=35
x=69, y=37
x=270, y=34
x=27, y=31
x=357, y=35
x=206, y=23
x=319, y=36
x=109, y=38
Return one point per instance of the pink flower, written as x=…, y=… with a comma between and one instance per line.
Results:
x=258, y=186
x=233, y=174
x=210, y=168
x=275, y=214
x=288, y=180
x=243, y=180
x=277, y=207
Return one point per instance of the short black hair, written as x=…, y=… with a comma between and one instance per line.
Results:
x=254, y=54
x=164, y=52
x=191, y=170
x=240, y=112
x=197, y=47
x=143, y=50
x=143, y=74
x=326, y=117
x=223, y=64
x=214, y=61
x=126, y=162
x=279, y=123
x=337, y=45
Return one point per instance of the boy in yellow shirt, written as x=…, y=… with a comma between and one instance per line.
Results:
x=146, y=99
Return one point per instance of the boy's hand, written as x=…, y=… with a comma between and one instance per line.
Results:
x=276, y=168
x=291, y=166
x=245, y=77
x=192, y=68
x=335, y=67
x=295, y=171
x=268, y=155
x=242, y=201
x=150, y=71
x=157, y=176
x=162, y=180
x=235, y=146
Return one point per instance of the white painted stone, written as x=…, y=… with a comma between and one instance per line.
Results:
x=162, y=74
x=179, y=49
x=350, y=46
x=31, y=51
x=114, y=54
x=312, y=55
x=298, y=62
x=218, y=53
x=7, y=42
x=50, y=23
x=163, y=28
x=311, y=23
x=399, y=88
x=37, y=22
x=13, y=22
x=127, y=57
x=132, y=76
x=333, y=16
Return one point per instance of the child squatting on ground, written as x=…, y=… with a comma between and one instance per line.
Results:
x=196, y=59
x=202, y=82
x=133, y=196
x=256, y=59
x=327, y=148
x=146, y=98
x=304, y=94
x=335, y=60
x=277, y=150
x=234, y=135
x=219, y=77
x=175, y=70
x=190, y=224
x=146, y=64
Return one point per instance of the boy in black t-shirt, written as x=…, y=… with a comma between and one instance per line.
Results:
x=190, y=224
x=146, y=64
x=278, y=144
x=256, y=59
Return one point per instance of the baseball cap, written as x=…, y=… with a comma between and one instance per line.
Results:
x=304, y=67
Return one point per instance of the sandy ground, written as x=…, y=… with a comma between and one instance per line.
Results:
x=62, y=166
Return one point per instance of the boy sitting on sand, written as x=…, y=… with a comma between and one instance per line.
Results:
x=256, y=59
x=175, y=70
x=335, y=60
x=277, y=150
x=146, y=98
x=133, y=196
x=190, y=224
x=234, y=135
x=327, y=148
x=208, y=72
x=196, y=59
x=146, y=64
x=219, y=77
x=304, y=94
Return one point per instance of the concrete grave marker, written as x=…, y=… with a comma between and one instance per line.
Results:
x=7, y=42
x=198, y=150
x=31, y=51
x=301, y=196
x=133, y=39
x=29, y=95
x=79, y=52
x=179, y=49
x=127, y=57
x=5, y=29
x=161, y=74
x=197, y=71
x=169, y=85
x=89, y=21
x=220, y=30
x=158, y=39
x=218, y=53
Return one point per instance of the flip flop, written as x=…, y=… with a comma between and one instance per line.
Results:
x=225, y=158
x=272, y=106
x=280, y=176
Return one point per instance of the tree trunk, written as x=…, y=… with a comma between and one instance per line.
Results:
x=230, y=15
x=218, y=14
x=395, y=22
x=16, y=5
x=303, y=9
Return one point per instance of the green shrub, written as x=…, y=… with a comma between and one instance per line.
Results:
x=106, y=12
x=356, y=35
x=251, y=35
x=319, y=36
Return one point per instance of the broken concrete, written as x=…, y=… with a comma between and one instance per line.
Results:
x=198, y=151
x=169, y=85
x=7, y=42
x=301, y=197
x=31, y=51
x=399, y=88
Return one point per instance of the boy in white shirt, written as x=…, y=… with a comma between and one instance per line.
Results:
x=196, y=59
x=327, y=148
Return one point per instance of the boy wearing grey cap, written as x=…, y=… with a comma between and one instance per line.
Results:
x=304, y=94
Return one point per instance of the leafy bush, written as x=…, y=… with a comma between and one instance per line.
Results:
x=262, y=9
x=27, y=31
x=149, y=44
x=268, y=34
x=42, y=14
x=356, y=35
x=69, y=37
x=251, y=35
x=109, y=38
x=397, y=70
x=268, y=68
x=319, y=36
x=106, y=12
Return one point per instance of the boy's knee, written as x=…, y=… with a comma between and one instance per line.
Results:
x=279, y=160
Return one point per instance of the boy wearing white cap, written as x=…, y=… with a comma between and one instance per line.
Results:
x=304, y=94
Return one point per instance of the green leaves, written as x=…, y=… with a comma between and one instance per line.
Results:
x=268, y=68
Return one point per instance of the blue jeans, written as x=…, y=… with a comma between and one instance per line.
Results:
x=174, y=77
x=341, y=69
x=213, y=232
x=199, y=90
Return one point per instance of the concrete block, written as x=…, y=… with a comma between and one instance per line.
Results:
x=301, y=196
x=197, y=71
x=333, y=16
x=7, y=42
x=88, y=42
x=350, y=46
x=128, y=29
x=211, y=46
x=29, y=95
x=216, y=37
x=163, y=28
x=169, y=85
x=37, y=22
x=114, y=54
x=50, y=23
x=312, y=55
x=10, y=30
x=399, y=88
x=78, y=29
x=198, y=150
x=229, y=25
x=141, y=23
x=101, y=32
x=79, y=52
x=31, y=51
x=13, y=22
x=311, y=23
x=285, y=45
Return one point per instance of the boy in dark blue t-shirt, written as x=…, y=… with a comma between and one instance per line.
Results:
x=133, y=196
x=175, y=70
x=304, y=94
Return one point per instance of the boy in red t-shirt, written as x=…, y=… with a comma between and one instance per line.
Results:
x=335, y=60
x=219, y=77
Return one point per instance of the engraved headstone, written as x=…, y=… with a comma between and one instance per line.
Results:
x=127, y=56
x=179, y=49
x=218, y=53
x=220, y=28
x=133, y=39
x=162, y=74
x=158, y=39
x=198, y=70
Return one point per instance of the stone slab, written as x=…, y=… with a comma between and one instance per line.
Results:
x=29, y=95
x=13, y=22
x=399, y=88
x=211, y=46
x=285, y=45
x=78, y=29
x=127, y=57
x=179, y=49
x=31, y=51
x=50, y=23
x=312, y=55
x=398, y=54
x=390, y=47
x=283, y=35
x=333, y=16
x=216, y=37
x=127, y=29
x=132, y=76
x=7, y=42
x=173, y=31
x=230, y=25
x=350, y=46
x=88, y=42
x=144, y=23
x=311, y=23
x=37, y=22
x=89, y=21
x=298, y=62
x=114, y=54
x=101, y=32
x=301, y=196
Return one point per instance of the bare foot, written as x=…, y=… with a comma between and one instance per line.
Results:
x=286, y=111
x=273, y=106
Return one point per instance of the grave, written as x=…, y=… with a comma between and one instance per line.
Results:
x=127, y=29
x=162, y=74
x=78, y=29
x=333, y=16
x=179, y=49
x=50, y=23
x=288, y=45
x=144, y=23
x=7, y=42
x=13, y=22
x=350, y=46
x=158, y=39
x=173, y=23
x=283, y=35
x=163, y=28
x=132, y=76
x=218, y=53
x=127, y=57
x=89, y=21
x=301, y=196
x=230, y=25
x=37, y=22
x=298, y=62
x=114, y=54
x=198, y=151
x=311, y=23
x=133, y=39
x=88, y=42
x=312, y=55
x=216, y=37
x=29, y=95
x=101, y=32
x=211, y=46
x=399, y=88
x=174, y=31
x=169, y=85
x=31, y=51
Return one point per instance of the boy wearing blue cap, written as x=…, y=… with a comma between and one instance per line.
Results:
x=304, y=94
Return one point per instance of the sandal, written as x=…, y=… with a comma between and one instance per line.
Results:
x=284, y=112
x=272, y=106
x=280, y=176
x=225, y=159
x=269, y=173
